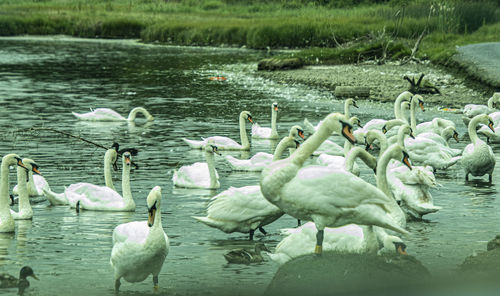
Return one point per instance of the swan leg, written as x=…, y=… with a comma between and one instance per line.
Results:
x=299, y=223
x=117, y=285
x=319, y=242
x=490, y=177
x=466, y=176
x=262, y=230
x=251, y=234
x=156, y=288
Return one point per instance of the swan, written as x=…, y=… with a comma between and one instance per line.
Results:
x=35, y=185
x=200, y=175
x=259, y=132
x=62, y=199
x=478, y=158
x=436, y=125
x=327, y=197
x=311, y=129
x=243, y=209
x=262, y=159
x=348, y=163
x=25, y=210
x=350, y=238
x=472, y=110
x=225, y=143
x=6, y=220
x=332, y=148
x=492, y=137
x=106, y=114
x=140, y=247
x=9, y=281
x=101, y=198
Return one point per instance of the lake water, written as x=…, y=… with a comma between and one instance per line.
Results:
x=43, y=79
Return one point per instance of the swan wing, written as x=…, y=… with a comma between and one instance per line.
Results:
x=196, y=174
x=224, y=143
x=100, y=114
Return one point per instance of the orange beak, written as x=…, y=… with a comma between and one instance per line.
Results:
x=250, y=119
x=401, y=251
x=490, y=125
x=406, y=161
x=21, y=164
x=301, y=134
x=346, y=131
x=455, y=136
x=35, y=170
x=276, y=108
x=421, y=104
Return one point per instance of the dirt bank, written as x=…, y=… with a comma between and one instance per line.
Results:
x=386, y=81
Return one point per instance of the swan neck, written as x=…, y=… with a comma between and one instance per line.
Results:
x=347, y=147
x=133, y=113
x=366, y=157
x=108, y=179
x=472, y=129
x=22, y=187
x=413, y=119
x=127, y=193
x=209, y=156
x=4, y=185
x=382, y=163
x=346, y=109
x=31, y=184
x=274, y=128
x=282, y=145
x=243, y=134
x=490, y=102
x=397, y=104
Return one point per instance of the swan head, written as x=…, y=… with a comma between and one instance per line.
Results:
x=346, y=131
x=484, y=119
x=406, y=159
x=400, y=247
x=127, y=159
x=355, y=121
x=27, y=271
x=406, y=95
x=13, y=159
x=153, y=203
x=275, y=107
x=31, y=165
x=351, y=102
x=246, y=115
x=295, y=131
x=418, y=99
x=371, y=136
x=448, y=133
x=392, y=123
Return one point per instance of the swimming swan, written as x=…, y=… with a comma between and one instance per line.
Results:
x=329, y=198
x=6, y=220
x=35, y=185
x=140, y=247
x=472, y=110
x=262, y=159
x=478, y=158
x=101, y=198
x=259, y=132
x=225, y=143
x=106, y=114
x=61, y=199
x=25, y=210
x=199, y=175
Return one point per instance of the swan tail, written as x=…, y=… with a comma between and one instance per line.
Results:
x=78, y=115
x=387, y=222
x=194, y=144
x=55, y=198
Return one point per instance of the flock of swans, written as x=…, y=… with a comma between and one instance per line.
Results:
x=343, y=212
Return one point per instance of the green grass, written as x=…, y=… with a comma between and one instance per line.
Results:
x=317, y=26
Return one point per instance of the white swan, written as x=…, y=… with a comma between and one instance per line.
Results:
x=35, y=185
x=472, y=110
x=311, y=129
x=225, y=143
x=436, y=125
x=140, y=247
x=106, y=114
x=331, y=148
x=61, y=199
x=259, y=132
x=200, y=175
x=478, y=158
x=327, y=197
x=6, y=220
x=261, y=159
x=350, y=238
x=348, y=163
x=101, y=198
x=25, y=211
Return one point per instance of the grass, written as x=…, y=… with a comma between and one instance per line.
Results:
x=388, y=29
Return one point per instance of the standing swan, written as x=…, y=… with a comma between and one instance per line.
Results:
x=259, y=132
x=225, y=143
x=61, y=199
x=327, y=197
x=478, y=158
x=140, y=247
x=25, y=210
x=199, y=175
x=6, y=220
x=106, y=114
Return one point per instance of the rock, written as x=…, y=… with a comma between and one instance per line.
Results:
x=352, y=91
x=494, y=243
x=280, y=64
x=351, y=274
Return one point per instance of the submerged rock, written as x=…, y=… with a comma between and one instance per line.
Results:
x=352, y=274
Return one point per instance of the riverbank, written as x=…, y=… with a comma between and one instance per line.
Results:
x=386, y=81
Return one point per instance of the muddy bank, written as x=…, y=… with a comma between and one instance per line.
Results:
x=386, y=81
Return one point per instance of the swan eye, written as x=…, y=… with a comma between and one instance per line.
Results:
x=34, y=168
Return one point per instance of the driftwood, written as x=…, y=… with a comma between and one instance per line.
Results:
x=280, y=64
x=421, y=86
x=352, y=91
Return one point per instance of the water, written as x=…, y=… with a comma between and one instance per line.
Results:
x=43, y=79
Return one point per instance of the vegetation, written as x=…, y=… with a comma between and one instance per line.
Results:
x=329, y=31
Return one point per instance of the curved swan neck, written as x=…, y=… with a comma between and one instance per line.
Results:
x=274, y=118
x=472, y=129
x=402, y=132
x=286, y=142
x=127, y=193
x=22, y=188
x=133, y=114
x=413, y=118
x=397, y=104
x=382, y=163
x=356, y=152
x=4, y=185
x=108, y=163
x=209, y=157
x=347, y=147
x=243, y=133
x=491, y=102
x=347, y=113
x=329, y=125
